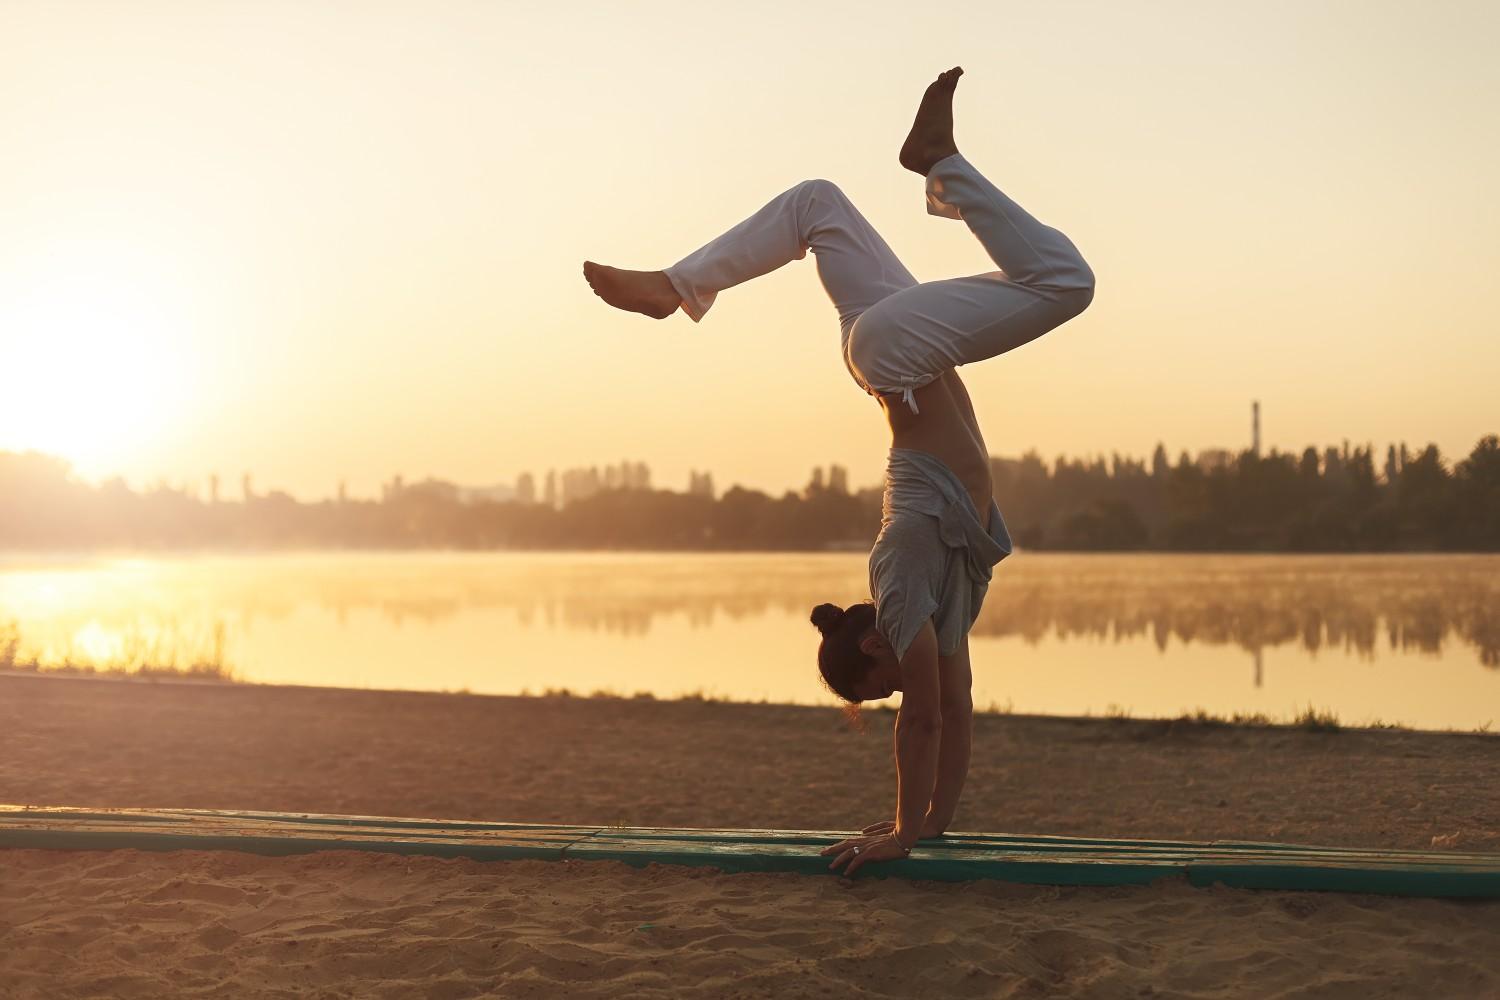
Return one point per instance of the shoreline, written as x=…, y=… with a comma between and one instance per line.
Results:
x=1312, y=719
x=653, y=762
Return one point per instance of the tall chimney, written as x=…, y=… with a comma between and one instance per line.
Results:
x=1255, y=427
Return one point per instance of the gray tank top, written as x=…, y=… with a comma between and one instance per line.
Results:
x=933, y=558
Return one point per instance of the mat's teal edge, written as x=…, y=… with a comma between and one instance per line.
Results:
x=1033, y=860
x=376, y=825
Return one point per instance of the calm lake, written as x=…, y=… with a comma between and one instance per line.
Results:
x=1410, y=639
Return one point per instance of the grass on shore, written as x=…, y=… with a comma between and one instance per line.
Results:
x=1314, y=720
x=1309, y=719
x=160, y=658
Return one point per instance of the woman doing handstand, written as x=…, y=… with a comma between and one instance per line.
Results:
x=941, y=533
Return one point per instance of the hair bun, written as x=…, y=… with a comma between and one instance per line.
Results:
x=828, y=617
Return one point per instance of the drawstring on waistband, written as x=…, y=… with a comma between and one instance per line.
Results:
x=908, y=392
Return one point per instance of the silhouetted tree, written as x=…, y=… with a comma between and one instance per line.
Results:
x=1477, y=500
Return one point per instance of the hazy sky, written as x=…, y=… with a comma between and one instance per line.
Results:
x=325, y=241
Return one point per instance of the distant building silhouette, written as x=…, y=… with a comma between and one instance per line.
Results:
x=577, y=484
x=838, y=479
x=434, y=489
x=499, y=493
x=700, y=484
x=525, y=488
x=835, y=481
x=635, y=476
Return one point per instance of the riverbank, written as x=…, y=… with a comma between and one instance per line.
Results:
x=345, y=924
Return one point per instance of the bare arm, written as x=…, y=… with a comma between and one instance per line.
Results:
x=957, y=709
x=919, y=727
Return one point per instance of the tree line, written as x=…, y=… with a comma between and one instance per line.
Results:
x=1330, y=501
x=1333, y=501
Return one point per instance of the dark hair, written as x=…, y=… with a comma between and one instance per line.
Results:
x=840, y=660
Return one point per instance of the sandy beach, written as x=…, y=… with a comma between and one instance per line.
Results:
x=350, y=924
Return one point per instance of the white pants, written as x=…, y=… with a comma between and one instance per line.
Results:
x=897, y=334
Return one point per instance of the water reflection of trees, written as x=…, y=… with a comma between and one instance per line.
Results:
x=1352, y=604
x=1312, y=615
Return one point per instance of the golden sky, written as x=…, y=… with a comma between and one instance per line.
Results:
x=324, y=241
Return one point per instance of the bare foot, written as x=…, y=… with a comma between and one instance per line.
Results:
x=646, y=292
x=931, y=136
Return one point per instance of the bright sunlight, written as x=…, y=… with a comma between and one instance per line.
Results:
x=95, y=356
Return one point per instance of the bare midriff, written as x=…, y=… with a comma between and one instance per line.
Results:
x=944, y=426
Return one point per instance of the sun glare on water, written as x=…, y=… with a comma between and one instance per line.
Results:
x=92, y=354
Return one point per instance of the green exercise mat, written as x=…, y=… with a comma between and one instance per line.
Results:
x=952, y=858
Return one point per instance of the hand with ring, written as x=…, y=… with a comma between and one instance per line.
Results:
x=856, y=851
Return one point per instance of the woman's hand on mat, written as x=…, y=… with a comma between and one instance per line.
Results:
x=929, y=828
x=857, y=850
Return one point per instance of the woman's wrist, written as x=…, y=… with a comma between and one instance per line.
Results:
x=933, y=826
